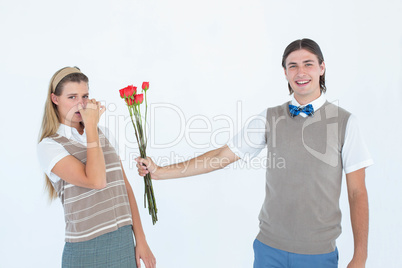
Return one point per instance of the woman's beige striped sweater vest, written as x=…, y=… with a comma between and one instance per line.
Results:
x=90, y=213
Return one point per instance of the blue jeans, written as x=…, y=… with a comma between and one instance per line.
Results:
x=268, y=257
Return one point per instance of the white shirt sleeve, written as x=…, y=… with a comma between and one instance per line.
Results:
x=250, y=140
x=49, y=153
x=355, y=154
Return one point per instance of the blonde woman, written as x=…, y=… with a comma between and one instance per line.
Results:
x=84, y=171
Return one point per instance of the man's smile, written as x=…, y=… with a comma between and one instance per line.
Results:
x=302, y=82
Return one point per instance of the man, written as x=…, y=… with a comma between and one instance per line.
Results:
x=316, y=140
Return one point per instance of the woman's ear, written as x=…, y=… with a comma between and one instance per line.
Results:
x=55, y=99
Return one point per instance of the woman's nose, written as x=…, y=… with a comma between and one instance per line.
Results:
x=82, y=101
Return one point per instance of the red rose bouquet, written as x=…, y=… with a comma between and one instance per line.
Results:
x=133, y=101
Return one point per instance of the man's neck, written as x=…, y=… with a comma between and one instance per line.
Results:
x=304, y=100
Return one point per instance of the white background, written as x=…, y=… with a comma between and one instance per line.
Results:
x=207, y=58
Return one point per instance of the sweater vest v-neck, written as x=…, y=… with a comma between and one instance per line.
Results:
x=90, y=213
x=301, y=211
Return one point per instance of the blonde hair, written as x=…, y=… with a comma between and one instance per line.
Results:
x=51, y=120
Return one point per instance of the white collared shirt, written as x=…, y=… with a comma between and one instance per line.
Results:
x=50, y=152
x=317, y=103
x=250, y=141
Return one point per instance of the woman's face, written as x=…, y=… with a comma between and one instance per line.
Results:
x=67, y=103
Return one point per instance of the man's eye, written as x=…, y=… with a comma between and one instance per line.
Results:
x=86, y=97
x=71, y=97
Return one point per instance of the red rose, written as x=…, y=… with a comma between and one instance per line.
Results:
x=129, y=101
x=128, y=91
x=145, y=85
x=138, y=98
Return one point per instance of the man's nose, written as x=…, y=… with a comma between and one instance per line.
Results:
x=301, y=71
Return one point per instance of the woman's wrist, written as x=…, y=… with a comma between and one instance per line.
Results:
x=91, y=126
x=92, y=132
x=139, y=240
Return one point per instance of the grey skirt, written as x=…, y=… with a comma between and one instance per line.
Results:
x=114, y=249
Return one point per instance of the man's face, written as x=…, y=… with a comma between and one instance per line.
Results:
x=303, y=73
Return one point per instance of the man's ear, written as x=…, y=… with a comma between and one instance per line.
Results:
x=55, y=99
x=322, y=66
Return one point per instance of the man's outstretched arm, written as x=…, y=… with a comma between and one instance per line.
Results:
x=210, y=161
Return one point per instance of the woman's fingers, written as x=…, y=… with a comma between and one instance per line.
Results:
x=102, y=110
x=92, y=110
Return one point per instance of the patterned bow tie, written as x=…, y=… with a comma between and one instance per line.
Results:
x=294, y=110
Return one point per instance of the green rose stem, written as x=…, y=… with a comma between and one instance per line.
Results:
x=146, y=112
x=132, y=121
x=139, y=134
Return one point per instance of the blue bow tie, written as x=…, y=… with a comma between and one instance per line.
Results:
x=294, y=110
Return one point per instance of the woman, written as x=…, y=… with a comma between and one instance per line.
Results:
x=83, y=169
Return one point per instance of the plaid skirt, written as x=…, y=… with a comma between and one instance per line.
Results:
x=114, y=249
